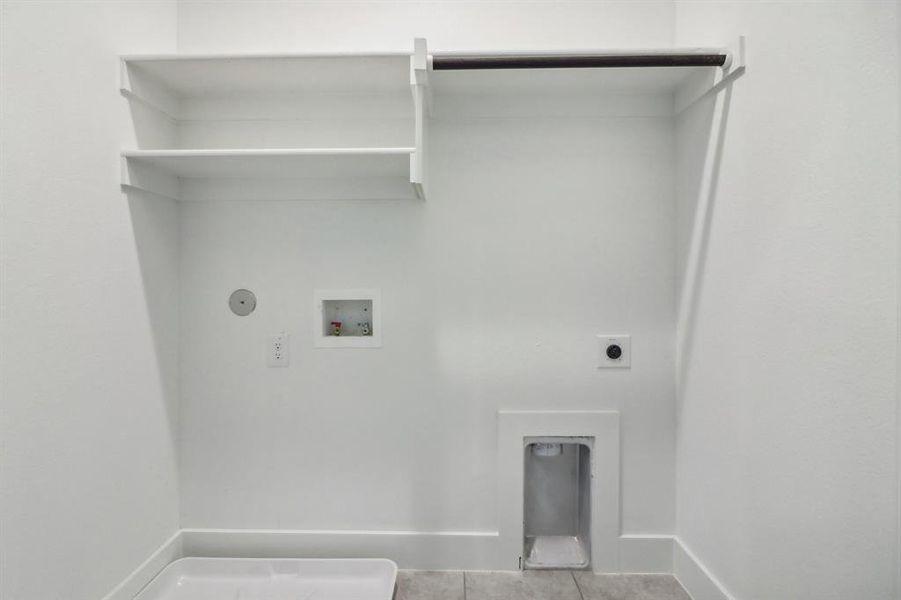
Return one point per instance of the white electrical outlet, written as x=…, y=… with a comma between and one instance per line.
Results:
x=614, y=351
x=278, y=351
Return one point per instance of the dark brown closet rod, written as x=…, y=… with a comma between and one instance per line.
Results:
x=457, y=62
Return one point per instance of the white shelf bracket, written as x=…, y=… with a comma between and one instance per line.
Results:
x=419, y=84
x=420, y=65
x=147, y=179
x=735, y=67
x=134, y=88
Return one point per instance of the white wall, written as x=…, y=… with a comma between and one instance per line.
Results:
x=537, y=234
x=267, y=25
x=786, y=478
x=88, y=293
x=492, y=293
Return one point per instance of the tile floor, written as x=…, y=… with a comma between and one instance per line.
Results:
x=535, y=585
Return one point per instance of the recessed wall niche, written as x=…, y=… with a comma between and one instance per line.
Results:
x=347, y=318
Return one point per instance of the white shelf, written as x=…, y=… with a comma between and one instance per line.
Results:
x=203, y=75
x=292, y=163
x=280, y=173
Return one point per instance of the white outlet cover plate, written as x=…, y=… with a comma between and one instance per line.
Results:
x=624, y=342
x=279, y=351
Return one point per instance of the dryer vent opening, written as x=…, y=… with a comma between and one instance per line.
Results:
x=557, y=503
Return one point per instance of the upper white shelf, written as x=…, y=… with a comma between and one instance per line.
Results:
x=202, y=75
x=189, y=76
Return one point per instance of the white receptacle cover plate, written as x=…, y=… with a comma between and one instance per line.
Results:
x=624, y=342
x=218, y=578
x=279, y=353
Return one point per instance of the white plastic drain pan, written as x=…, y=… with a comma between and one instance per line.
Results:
x=273, y=579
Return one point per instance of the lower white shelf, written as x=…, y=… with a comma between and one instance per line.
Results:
x=272, y=174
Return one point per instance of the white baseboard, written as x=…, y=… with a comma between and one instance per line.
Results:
x=697, y=580
x=439, y=550
x=130, y=586
x=442, y=550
